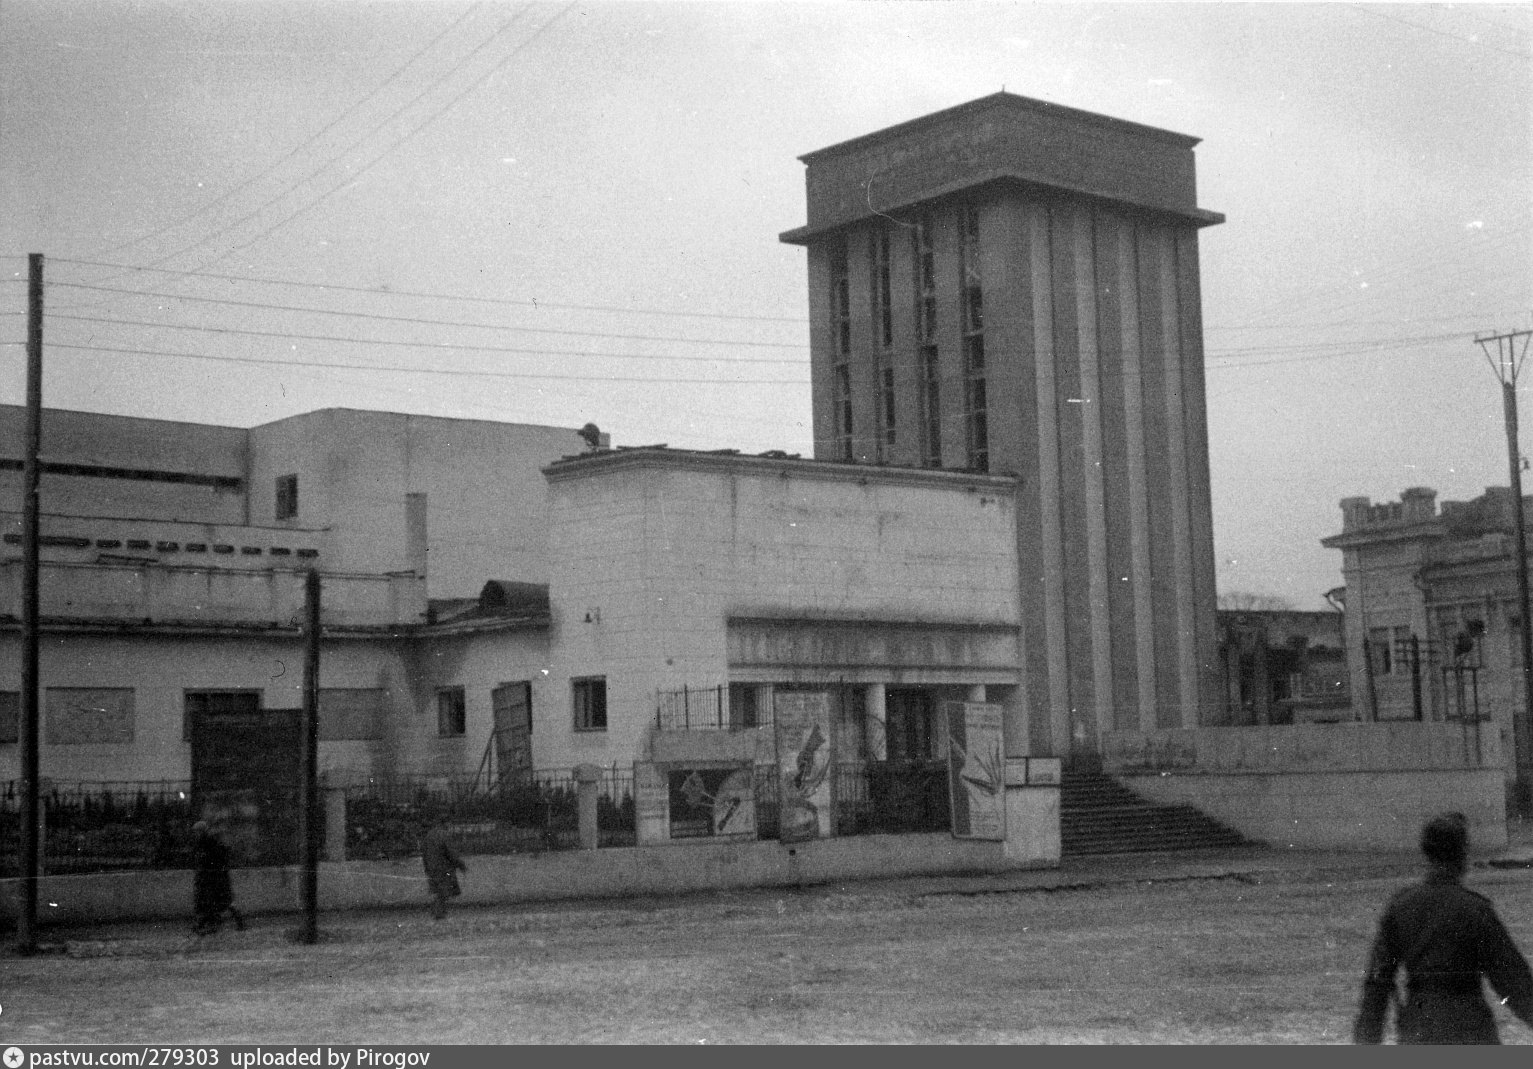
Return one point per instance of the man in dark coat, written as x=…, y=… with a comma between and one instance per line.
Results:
x=212, y=890
x=442, y=867
x=1446, y=937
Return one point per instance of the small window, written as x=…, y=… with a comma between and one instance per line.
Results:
x=451, y=712
x=10, y=716
x=287, y=497
x=590, y=704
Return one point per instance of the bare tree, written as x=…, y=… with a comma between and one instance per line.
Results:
x=1243, y=601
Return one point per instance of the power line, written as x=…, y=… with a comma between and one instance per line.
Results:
x=414, y=320
x=455, y=345
x=371, y=291
x=399, y=141
x=332, y=124
x=354, y=144
x=1441, y=33
x=453, y=372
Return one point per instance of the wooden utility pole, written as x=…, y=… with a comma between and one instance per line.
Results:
x=310, y=821
x=1506, y=362
x=31, y=847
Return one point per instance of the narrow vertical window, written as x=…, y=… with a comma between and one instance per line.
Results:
x=451, y=712
x=883, y=360
x=930, y=375
x=976, y=422
x=841, y=368
x=590, y=701
x=287, y=497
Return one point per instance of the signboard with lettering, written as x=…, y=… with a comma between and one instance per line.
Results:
x=976, y=770
x=804, y=763
x=651, y=804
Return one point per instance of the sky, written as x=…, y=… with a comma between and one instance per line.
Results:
x=569, y=213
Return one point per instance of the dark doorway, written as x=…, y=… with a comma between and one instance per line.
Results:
x=245, y=773
x=911, y=725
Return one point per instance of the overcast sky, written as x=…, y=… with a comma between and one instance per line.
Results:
x=567, y=213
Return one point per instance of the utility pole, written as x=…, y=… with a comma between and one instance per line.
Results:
x=310, y=821
x=26, y=922
x=1506, y=362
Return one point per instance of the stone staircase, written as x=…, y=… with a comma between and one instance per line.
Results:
x=1098, y=815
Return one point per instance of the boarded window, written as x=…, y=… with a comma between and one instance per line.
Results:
x=10, y=716
x=349, y=714
x=80, y=715
x=217, y=703
x=451, y=711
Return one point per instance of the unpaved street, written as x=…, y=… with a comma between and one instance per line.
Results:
x=1269, y=959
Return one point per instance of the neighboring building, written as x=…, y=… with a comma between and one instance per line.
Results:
x=1432, y=611
x=1011, y=287
x=1285, y=666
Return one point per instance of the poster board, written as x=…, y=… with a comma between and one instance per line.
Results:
x=976, y=770
x=651, y=804
x=712, y=802
x=804, y=764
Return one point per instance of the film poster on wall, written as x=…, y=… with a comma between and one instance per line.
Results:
x=712, y=802
x=803, y=764
x=976, y=770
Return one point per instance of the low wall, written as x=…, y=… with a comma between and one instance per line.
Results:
x=506, y=879
x=1343, y=786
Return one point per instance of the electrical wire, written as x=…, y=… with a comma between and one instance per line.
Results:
x=748, y=343
x=454, y=372
x=465, y=347
x=374, y=292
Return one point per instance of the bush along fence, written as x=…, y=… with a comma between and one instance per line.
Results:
x=105, y=827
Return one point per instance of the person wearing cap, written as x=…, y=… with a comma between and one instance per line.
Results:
x=1445, y=937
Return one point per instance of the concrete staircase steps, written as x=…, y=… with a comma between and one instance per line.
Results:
x=1098, y=815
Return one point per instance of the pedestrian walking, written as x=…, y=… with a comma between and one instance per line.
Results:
x=212, y=890
x=1445, y=937
x=442, y=864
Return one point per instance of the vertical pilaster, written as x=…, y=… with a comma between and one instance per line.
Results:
x=1125, y=249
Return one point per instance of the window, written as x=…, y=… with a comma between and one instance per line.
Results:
x=451, y=712
x=287, y=497
x=349, y=714
x=10, y=716
x=883, y=322
x=841, y=369
x=744, y=705
x=1389, y=650
x=930, y=376
x=975, y=402
x=80, y=715
x=206, y=703
x=590, y=703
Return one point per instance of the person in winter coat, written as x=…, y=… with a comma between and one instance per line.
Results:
x=442, y=864
x=212, y=891
x=1445, y=937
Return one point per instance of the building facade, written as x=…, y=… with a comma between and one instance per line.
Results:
x=1011, y=287
x=1433, y=625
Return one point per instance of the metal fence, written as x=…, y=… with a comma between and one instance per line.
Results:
x=386, y=819
x=118, y=826
x=102, y=827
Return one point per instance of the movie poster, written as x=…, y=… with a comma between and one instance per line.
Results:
x=804, y=764
x=713, y=803
x=976, y=770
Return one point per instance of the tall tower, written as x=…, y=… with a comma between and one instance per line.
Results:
x=1012, y=286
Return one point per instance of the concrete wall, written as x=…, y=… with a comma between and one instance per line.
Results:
x=667, y=870
x=1340, y=810
x=485, y=496
x=156, y=593
x=1342, y=786
x=657, y=551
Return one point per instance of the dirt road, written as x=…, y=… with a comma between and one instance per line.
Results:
x=1274, y=958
